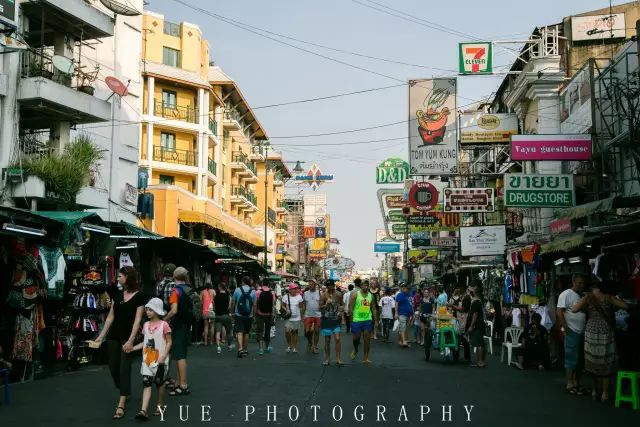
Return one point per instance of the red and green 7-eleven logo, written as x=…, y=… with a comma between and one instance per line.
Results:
x=476, y=58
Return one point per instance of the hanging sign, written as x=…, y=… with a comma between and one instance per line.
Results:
x=481, y=128
x=381, y=234
x=445, y=242
x=423, y=219
x=423, y=196
x=388, y=248
x=395, y=215
x=314, y=177
x=421, y=256
x=598, y=27
x=469, y=200
x=475, y=58
x=420, y=243
x=391, y=204
x=392, y=171
x=551, y=147
x=433, y=137
x=447, y=221
x=131, y=194
x=309, y=232
x=321, y=232
x=535, y=191
x=560, y=226
x=399, y=228
x=483, y=240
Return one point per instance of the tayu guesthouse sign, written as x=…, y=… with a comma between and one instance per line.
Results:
x=392, y=171
x=538, y=191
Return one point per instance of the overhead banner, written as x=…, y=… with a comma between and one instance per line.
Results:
x=338, y=263
x=483, y=240
x=422, y=256
x=433, y=138
x=475, y=58
x=481, y=128
x=598, y=27
x=551, y=147
x=469, y=200
x=538, y=191
x=392, y=171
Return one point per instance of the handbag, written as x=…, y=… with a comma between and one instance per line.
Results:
x=284, y=313
x=396, y=325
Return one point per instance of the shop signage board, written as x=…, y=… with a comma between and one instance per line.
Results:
x=338, y=263
x=423, y=219
x=423, y=196
x=469, y=200
x=475, y=58
x=321, y=232
x=598, y=27
x=314, y=177
x=309, y=232
x=551, y=147
x=445, y=242
x=381, y=234
x=560, y=226
x=399, y=229
x=131, y=194
x=395, y=215
x=420, y=243
x=421, y=256
x=385, y=247
x=392, y=171
x=391, y=200
x=483, y=240
x=433, y=131
x=538, y=191
x=280, y=249
x=482, y=128
x=8, y=15
x=447, y=221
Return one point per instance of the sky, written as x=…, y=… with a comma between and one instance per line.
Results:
x=426, y=41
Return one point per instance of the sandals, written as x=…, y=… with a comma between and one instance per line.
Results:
x=119, y=413
x=157, y=412
x=179, y=391
x=571, y=390
x=142, y=416
x=325, y=363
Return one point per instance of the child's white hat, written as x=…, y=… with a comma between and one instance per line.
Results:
x=156, y=305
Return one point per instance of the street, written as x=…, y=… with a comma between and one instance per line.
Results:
x=396, y=388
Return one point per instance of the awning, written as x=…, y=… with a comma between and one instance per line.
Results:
x=26, y=218
x=72, y=220
x=587, y=209
x=126, y=230
x=286, y=275
x=227, y=252
x=564, y=243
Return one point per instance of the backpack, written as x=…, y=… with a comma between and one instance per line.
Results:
x=163, y=291
x=189, y=304
x=265, y=302
x=244, y=303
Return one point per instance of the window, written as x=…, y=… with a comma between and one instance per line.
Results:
x=169, y=99
x=168, y=141
x=170, y=56
x=167, y=180
x=171, y=29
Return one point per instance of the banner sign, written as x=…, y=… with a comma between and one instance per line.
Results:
x=433, y=138
x=445, y=242
x=314, y=177
x=483, y=240
x=321, y=232
x=423, y=196
x=536, y=191
x=309, y=232
x=481, y=128
x=392, y=171
x=280, y=249
x=423, y=220
x=469, y=200
x=551, y=147
x=8, y=15
x=475, y=58
x=387, y=248
x=395, y=201
x=598, y=27
x=421, y=256
x=420, y=243
x=560, y=226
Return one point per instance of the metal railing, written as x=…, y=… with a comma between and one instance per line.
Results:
x=36, y=145
x=181, y=157
x=283, y=204
x=213, y=125
x=212, y=166
x=251, y=197
x=176, y=112
x=39, y=63
x=282, y=226
x=252, y=167
x=240, y=157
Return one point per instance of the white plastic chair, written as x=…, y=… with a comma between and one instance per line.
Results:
x=489, y=328
x=511, y=341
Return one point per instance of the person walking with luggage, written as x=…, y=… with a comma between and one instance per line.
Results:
x=242, y=306
x=265, y=317
x=332, y=311
x=363, y=317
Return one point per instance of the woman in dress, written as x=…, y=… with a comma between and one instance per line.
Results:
x=601, y=359
x=207, y=296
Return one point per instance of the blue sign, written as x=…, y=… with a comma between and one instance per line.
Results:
x=385, y=247
x=321, y=232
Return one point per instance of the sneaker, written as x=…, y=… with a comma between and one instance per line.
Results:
x=218, y=350
x=288, y=349
x=245, y=352
x=353, y=355
x=260, y=352
x=269, y=349
x=239, y=355
x=294, y=351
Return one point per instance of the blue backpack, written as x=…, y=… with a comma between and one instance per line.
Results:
x=244, y=303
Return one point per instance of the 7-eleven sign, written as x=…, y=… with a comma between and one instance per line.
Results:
x=476, y=58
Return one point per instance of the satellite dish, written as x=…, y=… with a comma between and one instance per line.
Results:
x=116, y=86
x=120, y=7
x=62, y=64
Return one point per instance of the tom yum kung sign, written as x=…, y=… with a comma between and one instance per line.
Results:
x=551, y=147
x=538, y=191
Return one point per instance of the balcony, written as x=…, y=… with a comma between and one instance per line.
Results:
x=244, y=198
x=257, y=154
x=245, y=168
x=282, y=228
x=36, y=145
x=182, y=113
x=278, y=179
x=178, y=157
x=281, y=206
x=232, y=119
x=213, y=126
x=212, y=167
x=48, y=95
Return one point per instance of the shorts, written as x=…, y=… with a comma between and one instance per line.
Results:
x=262, y=323
x=402, y=323
x=208, y=316
x=329, y=332
x=225, y=321
x=312, y=322
x=180, y=337
x=243, y=324
x=292, y=325
x=365, y=326
x=573, y=349
x=476, y=337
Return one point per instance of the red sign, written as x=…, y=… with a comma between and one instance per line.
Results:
x=560, y=226
x=423, y=196
x=309, y=232
x=469, y=200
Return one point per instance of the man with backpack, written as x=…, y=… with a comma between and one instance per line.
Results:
x=242, y=305
x=265, y=316
x=166, y=285
x=182, y=315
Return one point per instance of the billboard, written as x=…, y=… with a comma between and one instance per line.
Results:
x=598, y=27
x=446, y=221
x=551, y=147
x=433, y=132
x=538, y=191
x=483, y=240
x=469, y=200
x=481, y=128
x=475, y=58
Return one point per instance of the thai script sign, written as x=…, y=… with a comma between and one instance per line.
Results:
x=532, y=190
x=551, y=147
x=469, y=200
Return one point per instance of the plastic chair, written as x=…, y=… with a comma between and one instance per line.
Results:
x=633, y=398
x=448, y=338
x=511, y=341
x=489, y=328
x=5, y=381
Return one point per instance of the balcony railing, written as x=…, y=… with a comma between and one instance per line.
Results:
x=240, y=157
x=213, y=166
x=176, y=112
x=232, y=114
x=36, y=145
x=213, y=125
x=283, y=226
x=180, y=157
x=278, y=177
x=38, y=63
x=283, y=204
x=251, y=197
x=252, y=167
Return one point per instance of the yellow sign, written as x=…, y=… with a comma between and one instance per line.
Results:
x=422, y=256
x=447, y=221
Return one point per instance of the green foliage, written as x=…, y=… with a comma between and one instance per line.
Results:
x=66, y=174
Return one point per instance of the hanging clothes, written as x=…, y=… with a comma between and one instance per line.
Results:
x=125, y=260
x=53, y=266
x=25, y=338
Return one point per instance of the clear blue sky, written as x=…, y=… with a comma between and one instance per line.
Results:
x=269, y=72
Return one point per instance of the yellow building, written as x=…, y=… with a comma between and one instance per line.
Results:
x=199, y=140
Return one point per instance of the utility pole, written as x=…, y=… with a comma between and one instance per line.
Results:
x=266, y=213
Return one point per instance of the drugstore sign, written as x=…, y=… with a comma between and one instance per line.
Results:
x=538, y=191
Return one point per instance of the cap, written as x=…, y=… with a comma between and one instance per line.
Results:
x=293, y=286
x=156, y=305
x=168, y=269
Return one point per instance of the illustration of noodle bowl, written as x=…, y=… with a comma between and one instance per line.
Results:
x=432, y=125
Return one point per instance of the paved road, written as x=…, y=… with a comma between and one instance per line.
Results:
x=498, y=395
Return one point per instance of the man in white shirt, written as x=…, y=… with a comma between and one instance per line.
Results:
x=345, y=300
x=312, y=316
x=572, y=326
x=294, y=304
x=387, y=305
